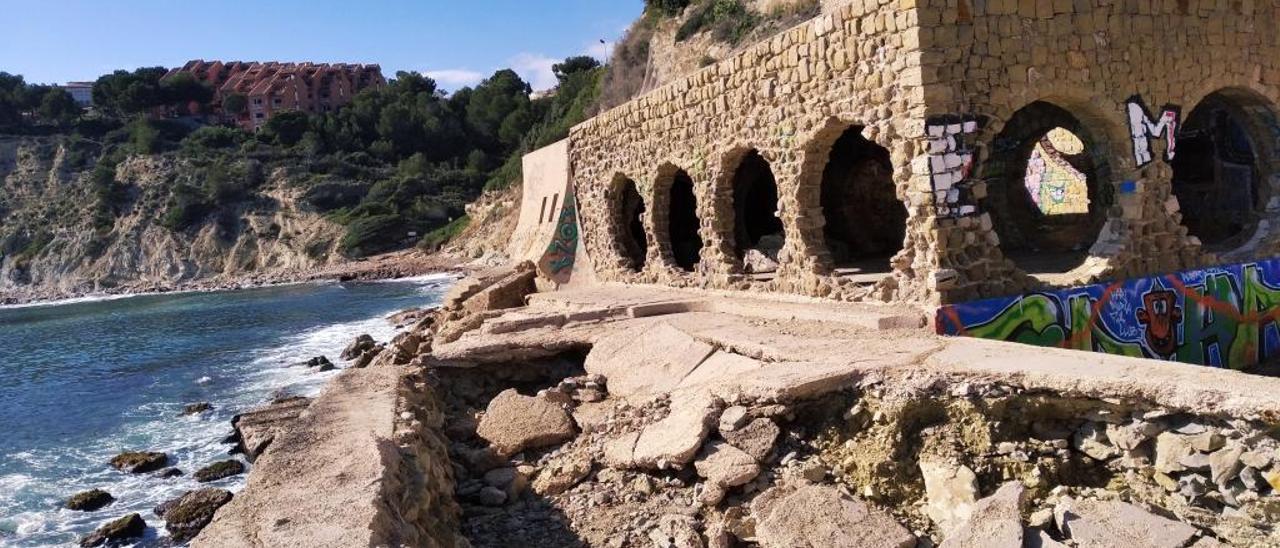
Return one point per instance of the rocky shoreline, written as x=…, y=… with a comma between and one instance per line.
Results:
x=401, y=264
x=253, y=432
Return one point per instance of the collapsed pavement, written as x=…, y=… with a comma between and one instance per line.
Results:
x=621, y=416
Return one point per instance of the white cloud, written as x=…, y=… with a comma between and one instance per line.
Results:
x=535, y=68
x=452, y=79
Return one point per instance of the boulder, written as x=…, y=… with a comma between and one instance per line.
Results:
x=171, y=473
x=821, y=516
x=196, y=408
x=995, y=521
x=755, y=261
x=1171, y=449
x=116, y=531
x=1098, y=523
x=185, y=516
x=1037, y=538
x=734, y=418
x=756, y=438
x=219, y=470
x=138, y=462
x=88, y=501
x=365, y=358
x=726, y=465
x=513, y=423
x=1091, y=439
x=1225, y=465
x=951, y=490
x=561, y=475
x=670, y=442
x=357, y=347
x=512, y=480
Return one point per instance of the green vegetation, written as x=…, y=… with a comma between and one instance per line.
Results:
x=728, y=20
x=24, y=106
x=435, y=239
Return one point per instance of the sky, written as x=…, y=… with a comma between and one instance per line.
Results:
x=456, y=42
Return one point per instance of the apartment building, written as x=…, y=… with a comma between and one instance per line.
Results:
x=272, y=87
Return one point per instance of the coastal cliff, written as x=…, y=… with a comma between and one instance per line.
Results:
x=54, y=242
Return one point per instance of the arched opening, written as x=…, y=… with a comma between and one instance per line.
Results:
x=1217, y=171
x=629, y=223
x=682, y=222
x=757, y=230
x=1045, y=191
x=865, y=222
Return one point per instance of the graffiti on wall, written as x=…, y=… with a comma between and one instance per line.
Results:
x=1142, y=129
x=1054, y=184
x=952, y=160
x=1224, y=316
x=557, y=262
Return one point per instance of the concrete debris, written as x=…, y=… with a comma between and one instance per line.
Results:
x=951, y=491
x=756, y=438
x=995, y=521
x=1098, y=523
x=822, y=517
x=670, y=442
x=513, y=423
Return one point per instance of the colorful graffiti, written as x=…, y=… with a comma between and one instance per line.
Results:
x=951, y=163
x=557, y=262
x=1143, y=130
x=1224, y=316
x=1054, y=184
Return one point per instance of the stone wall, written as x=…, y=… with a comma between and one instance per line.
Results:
x=935, y=82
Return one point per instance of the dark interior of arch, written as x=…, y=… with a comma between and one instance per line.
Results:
x=865, y=220
x=686, y=243
x=631, y=215
x=755, y=201
x=1045, y=199
x=1215, y=173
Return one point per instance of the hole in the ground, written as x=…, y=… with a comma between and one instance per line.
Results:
x=865, y=220
x=1217, y=172
x=758, y=232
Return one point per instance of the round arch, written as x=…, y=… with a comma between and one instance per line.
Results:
x=1225, y=159
x=676, y=223
x=758, y=231
x=1047, y=176
x=627, y=227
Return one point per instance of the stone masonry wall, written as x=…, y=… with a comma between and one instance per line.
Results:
x=990, y=59
x=789, y=98
x=934, y=82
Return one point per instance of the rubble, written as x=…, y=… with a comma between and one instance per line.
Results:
x=513, y=423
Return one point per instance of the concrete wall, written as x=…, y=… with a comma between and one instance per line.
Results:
x=545, y=186
x=939, y=84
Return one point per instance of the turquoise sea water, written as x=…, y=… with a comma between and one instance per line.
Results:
x=81, y=382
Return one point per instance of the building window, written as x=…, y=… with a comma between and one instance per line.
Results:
x=259, y=115
x=257, y=101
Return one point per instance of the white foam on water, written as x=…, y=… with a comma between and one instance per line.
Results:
x=190, y=441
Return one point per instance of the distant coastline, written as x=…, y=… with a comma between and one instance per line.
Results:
x=390, y=266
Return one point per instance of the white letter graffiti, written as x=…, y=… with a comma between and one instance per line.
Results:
x=951, y=162
x=1142, y=130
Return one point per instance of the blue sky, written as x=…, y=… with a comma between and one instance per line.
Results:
x=455, y=41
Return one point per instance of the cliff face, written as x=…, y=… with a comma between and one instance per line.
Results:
x=55, y=242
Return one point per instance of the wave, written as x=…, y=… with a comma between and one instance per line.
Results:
x=32, y=494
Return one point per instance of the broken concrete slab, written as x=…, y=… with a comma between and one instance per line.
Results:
x=513, y=423
x=995, y=521
x=646, y=359
x=820, y=516
x=755, y=439
x=1104, y=523
x=670, y=442
x=256, y=428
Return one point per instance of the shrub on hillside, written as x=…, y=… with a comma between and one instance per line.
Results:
x=373, y=234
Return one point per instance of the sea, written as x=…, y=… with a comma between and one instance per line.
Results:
x=83, y=380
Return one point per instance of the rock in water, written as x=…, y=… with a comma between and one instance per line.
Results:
x=171, y=473
x=137, y=462
x=196, y=408
x=128, y=527
x=90, y=500
x=513, y=423
x=187, y=515
x=357, y=347
x=219, y=470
